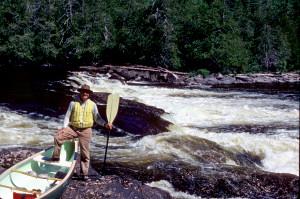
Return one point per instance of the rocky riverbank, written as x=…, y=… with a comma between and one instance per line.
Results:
x=161, y=75
x=124, y=182
x=108, y=186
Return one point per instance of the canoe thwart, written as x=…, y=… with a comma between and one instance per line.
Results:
x=34, y=191
x=57, y=179
x=43, y=159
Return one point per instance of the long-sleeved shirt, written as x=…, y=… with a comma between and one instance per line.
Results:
x=97, y=117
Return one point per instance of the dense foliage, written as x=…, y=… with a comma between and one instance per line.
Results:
x=190, y=35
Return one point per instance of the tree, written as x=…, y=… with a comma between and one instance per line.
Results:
x=228, y=51
x=272, y=44
x=16, y=38
x=218, y=35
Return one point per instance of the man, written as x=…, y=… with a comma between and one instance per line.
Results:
x=81, y=114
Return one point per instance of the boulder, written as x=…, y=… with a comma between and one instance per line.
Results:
x=134, y=117
x=211, y=80
x=113, y=186
x=227, y=80
x=241, y=78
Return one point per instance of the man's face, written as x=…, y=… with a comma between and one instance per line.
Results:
x=84, y=95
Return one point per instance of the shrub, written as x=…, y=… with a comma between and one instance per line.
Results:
x=201, y=71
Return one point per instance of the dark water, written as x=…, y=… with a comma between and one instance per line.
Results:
x=34, y=89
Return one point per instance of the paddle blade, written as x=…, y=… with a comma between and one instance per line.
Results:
x=112, y=107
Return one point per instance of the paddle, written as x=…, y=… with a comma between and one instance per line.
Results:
x=111, y=112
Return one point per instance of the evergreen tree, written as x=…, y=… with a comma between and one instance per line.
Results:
x=272, y=44
x=214, y=35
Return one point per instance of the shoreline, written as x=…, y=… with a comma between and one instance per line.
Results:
x=129, y=74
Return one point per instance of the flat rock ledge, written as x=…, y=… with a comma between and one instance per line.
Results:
x=162, y=75
x=112, y=186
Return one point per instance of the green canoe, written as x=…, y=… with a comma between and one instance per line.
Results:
x=34, y=177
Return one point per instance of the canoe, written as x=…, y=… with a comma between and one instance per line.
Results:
x=34, y=177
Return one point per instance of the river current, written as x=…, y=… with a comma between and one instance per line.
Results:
x=264, y=124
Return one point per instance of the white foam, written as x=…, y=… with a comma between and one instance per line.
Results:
x=19, y=129
x=200, y=108
x=279, y=153
x=166, y=186
x=187, y=108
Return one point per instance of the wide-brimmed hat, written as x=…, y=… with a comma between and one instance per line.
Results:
x=85, y=88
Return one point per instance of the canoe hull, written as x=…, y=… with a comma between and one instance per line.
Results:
x=50, y=187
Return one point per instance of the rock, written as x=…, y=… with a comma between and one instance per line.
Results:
x=218, y=181
x=113, y=186
x=10, y=157
x=227, y=80
x=162, y=75
x=134, y=117
x=262, y=79
x=211, y=80
x=129, y=74
x=198, y=79
x=153, y=78
x=241, y=78
x=219, y=76
x=170, y=77
x=118, y=77
x=291, y=77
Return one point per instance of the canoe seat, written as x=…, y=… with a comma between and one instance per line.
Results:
x=43, y=159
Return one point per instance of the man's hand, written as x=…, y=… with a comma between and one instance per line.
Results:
x=61, y=131
x=109, y=126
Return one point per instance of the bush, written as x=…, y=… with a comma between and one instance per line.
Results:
x=282, y=66
x=201, y=71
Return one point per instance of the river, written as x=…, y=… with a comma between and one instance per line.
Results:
x=263, y=124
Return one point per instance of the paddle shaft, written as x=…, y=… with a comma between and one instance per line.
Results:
x=107, y=140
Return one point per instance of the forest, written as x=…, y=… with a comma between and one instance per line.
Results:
x=226, y=36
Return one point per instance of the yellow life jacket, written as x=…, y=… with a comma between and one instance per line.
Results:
x=82, y=117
